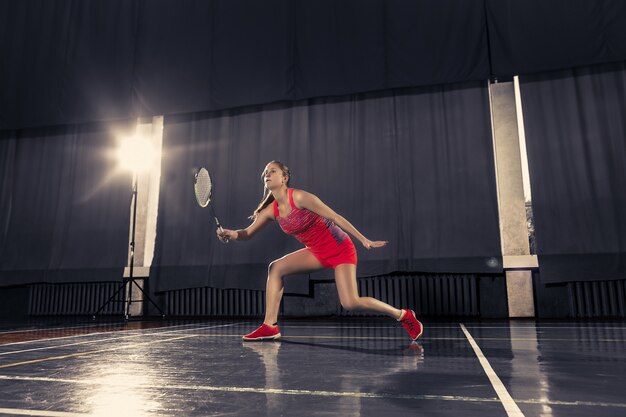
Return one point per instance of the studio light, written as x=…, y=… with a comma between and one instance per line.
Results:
x=136, y=154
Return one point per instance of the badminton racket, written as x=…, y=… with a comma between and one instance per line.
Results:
x=203, y=187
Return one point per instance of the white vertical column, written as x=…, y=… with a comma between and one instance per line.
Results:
x=511, y=200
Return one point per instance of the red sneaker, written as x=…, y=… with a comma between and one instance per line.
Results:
x=411, y=324
x=264, y=332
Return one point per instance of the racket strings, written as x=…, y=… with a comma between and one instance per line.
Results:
x=202, y=187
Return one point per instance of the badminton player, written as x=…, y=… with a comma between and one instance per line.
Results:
x=327, y=245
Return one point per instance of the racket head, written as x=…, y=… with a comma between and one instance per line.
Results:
x=202, y=187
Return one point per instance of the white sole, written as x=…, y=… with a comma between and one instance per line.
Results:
x=259, y=339
x=419, y=335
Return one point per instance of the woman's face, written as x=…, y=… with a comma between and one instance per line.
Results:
x=273, y=176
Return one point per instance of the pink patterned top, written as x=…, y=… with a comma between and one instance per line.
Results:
x=312, y=230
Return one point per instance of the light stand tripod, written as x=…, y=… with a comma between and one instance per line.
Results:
x=130, y=280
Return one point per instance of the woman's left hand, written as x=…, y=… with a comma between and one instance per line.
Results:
x=371, y=244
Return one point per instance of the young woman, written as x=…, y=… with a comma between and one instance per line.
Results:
x=327, y=245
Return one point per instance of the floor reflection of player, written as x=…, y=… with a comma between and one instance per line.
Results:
x=268, y=354
x=406, y=359
x=327, y=245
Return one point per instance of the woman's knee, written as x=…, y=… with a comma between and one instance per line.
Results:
x=275, y=269
x=351, y=303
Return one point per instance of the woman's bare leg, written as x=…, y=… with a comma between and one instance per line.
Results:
x=345, y=278
x=298, y=262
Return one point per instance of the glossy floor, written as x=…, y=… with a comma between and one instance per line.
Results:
x=343, y=368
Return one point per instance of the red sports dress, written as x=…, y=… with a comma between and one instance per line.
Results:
x=326, y=241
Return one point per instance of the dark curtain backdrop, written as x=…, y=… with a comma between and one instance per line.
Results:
x=533, y=36
x=66, y=61
x=575, y=125
x=412, y=166
x=64, y=211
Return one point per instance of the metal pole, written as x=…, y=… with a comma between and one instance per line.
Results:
x=132, y=247
x=128, y=298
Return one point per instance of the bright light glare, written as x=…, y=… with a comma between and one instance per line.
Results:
x=136, y=154
x=121, y=389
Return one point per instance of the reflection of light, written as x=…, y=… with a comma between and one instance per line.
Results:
x=136, y=154
x=123, y=389
x=528, y=376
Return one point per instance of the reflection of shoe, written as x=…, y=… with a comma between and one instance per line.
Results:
x=411, y=324
x=264, y=349
x=414, y=349
x=267, y=352
x=264, y=332
x=412, y=358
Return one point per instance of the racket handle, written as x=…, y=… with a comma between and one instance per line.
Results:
x=217, y=222
x=225, y=240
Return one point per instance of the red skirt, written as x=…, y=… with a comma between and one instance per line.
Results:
x=335, y=255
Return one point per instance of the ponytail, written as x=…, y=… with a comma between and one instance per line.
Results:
x=267, y=200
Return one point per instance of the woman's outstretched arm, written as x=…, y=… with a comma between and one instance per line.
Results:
x=311, y=202
x=263, y=218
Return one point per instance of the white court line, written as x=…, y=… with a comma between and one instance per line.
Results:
x=569, y=326
x=141, y=331
x=13, y=352
x=133, y=385
x=275, y=391
x=87, y=334
x=507, y=401
x=375, y=337
x=165, y=330
x=339, y=327
x=78, y=354
x=39, y=413
x=523, y=327
x=507, y=327
x=46, y=329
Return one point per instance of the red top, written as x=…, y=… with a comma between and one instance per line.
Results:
x=311, y=229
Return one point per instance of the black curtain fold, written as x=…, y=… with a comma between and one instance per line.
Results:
x=251, y=52
x=534, y=36
x=340, y=47
x=413, y=166
x=65, y=61
x=68, y=61
x=64, y=212
x=173, y=65
x=576, y=138
x=430, y=43
x=32, y=63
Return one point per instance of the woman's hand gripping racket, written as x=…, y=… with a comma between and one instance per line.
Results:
x=203, y=187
